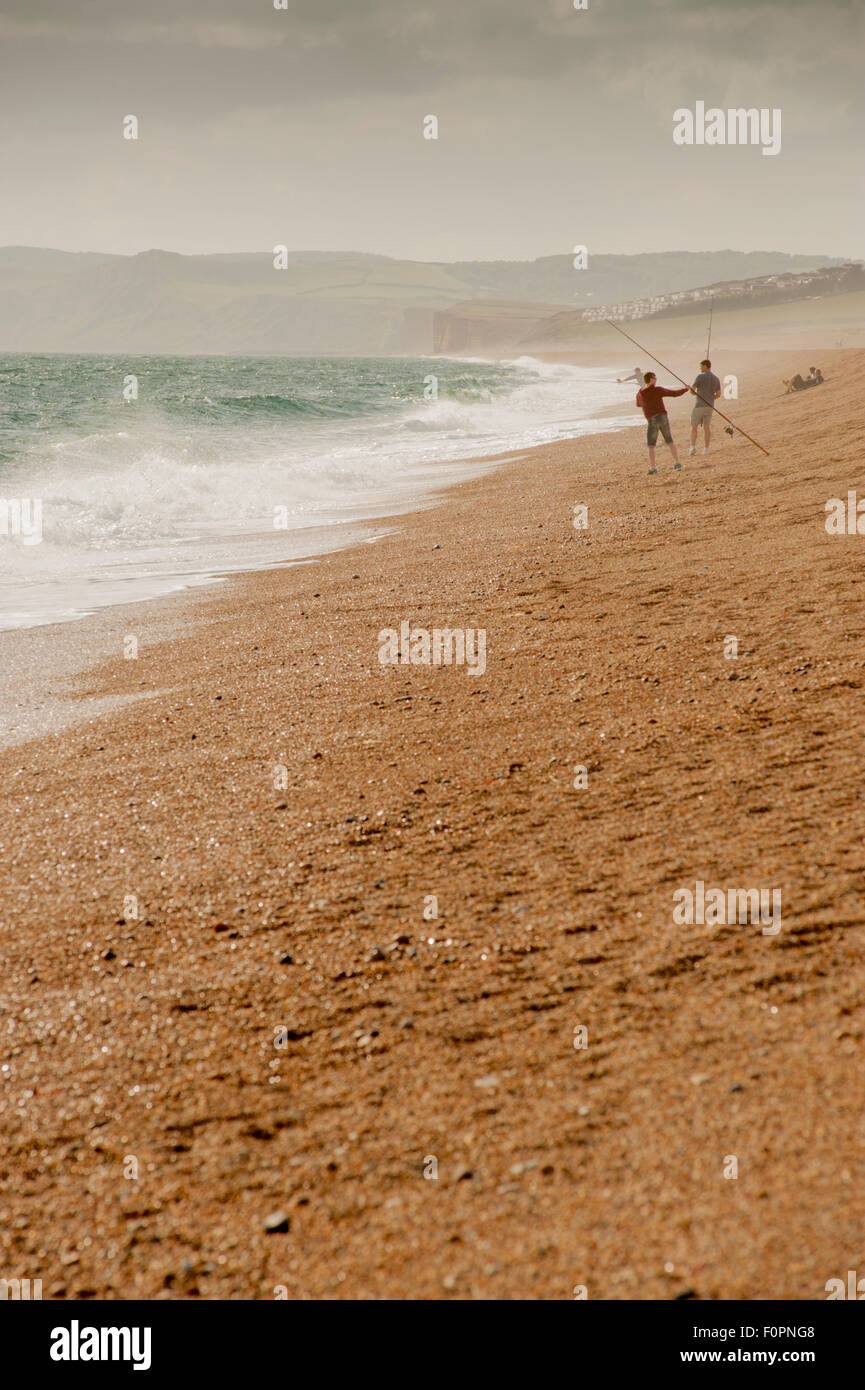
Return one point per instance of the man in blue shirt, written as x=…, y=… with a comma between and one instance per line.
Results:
x=707, y=389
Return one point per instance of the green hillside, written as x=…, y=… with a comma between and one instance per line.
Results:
x=159, y=301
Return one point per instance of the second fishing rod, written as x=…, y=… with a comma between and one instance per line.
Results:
x=685, y=383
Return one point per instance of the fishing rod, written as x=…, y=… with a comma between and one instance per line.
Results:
x=711, y=404
x=711, y=312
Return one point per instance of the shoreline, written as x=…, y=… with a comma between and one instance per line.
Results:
x=404, y=460
x=74, y=648
x=46, y=711
x=41, y=646
x=283, y=808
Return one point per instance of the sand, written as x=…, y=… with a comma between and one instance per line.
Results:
x=152, y=1130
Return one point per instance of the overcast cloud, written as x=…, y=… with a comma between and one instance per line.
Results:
x=304, y=125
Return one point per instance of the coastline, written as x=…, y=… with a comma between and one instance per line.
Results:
x=197, y=484
x=52, y=660
x=45, y=672
x=556, y=1167
x=43, y=660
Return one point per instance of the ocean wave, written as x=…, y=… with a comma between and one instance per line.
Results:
x=273, y=404
x=310, y=442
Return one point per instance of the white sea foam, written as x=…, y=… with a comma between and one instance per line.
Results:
x=189, y=479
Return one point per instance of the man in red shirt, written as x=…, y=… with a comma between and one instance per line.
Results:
x=650, y=399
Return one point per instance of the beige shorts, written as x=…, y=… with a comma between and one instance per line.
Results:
x=701, y=414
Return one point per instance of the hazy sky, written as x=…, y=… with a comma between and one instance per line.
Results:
x=304, y=126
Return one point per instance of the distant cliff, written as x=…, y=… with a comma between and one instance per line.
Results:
x=160, y=302
x=482, y=325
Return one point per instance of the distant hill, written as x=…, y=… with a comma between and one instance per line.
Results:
x=322, y=302
x=500, y=326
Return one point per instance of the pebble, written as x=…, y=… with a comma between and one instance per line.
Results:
x=277, y=1222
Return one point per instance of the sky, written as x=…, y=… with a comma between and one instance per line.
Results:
x=304, y=126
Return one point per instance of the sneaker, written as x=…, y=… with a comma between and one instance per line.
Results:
x=653, y=470
x=692, y=451
x=676, y=467
x=705, y=451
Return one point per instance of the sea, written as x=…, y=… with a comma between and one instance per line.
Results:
x=123, y=478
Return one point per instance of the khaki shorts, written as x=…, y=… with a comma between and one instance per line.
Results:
x=701, y=414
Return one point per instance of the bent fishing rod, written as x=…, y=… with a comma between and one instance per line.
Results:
x=684, y=383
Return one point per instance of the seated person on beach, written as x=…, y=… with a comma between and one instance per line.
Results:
x=650, y=399
x=798, y=383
